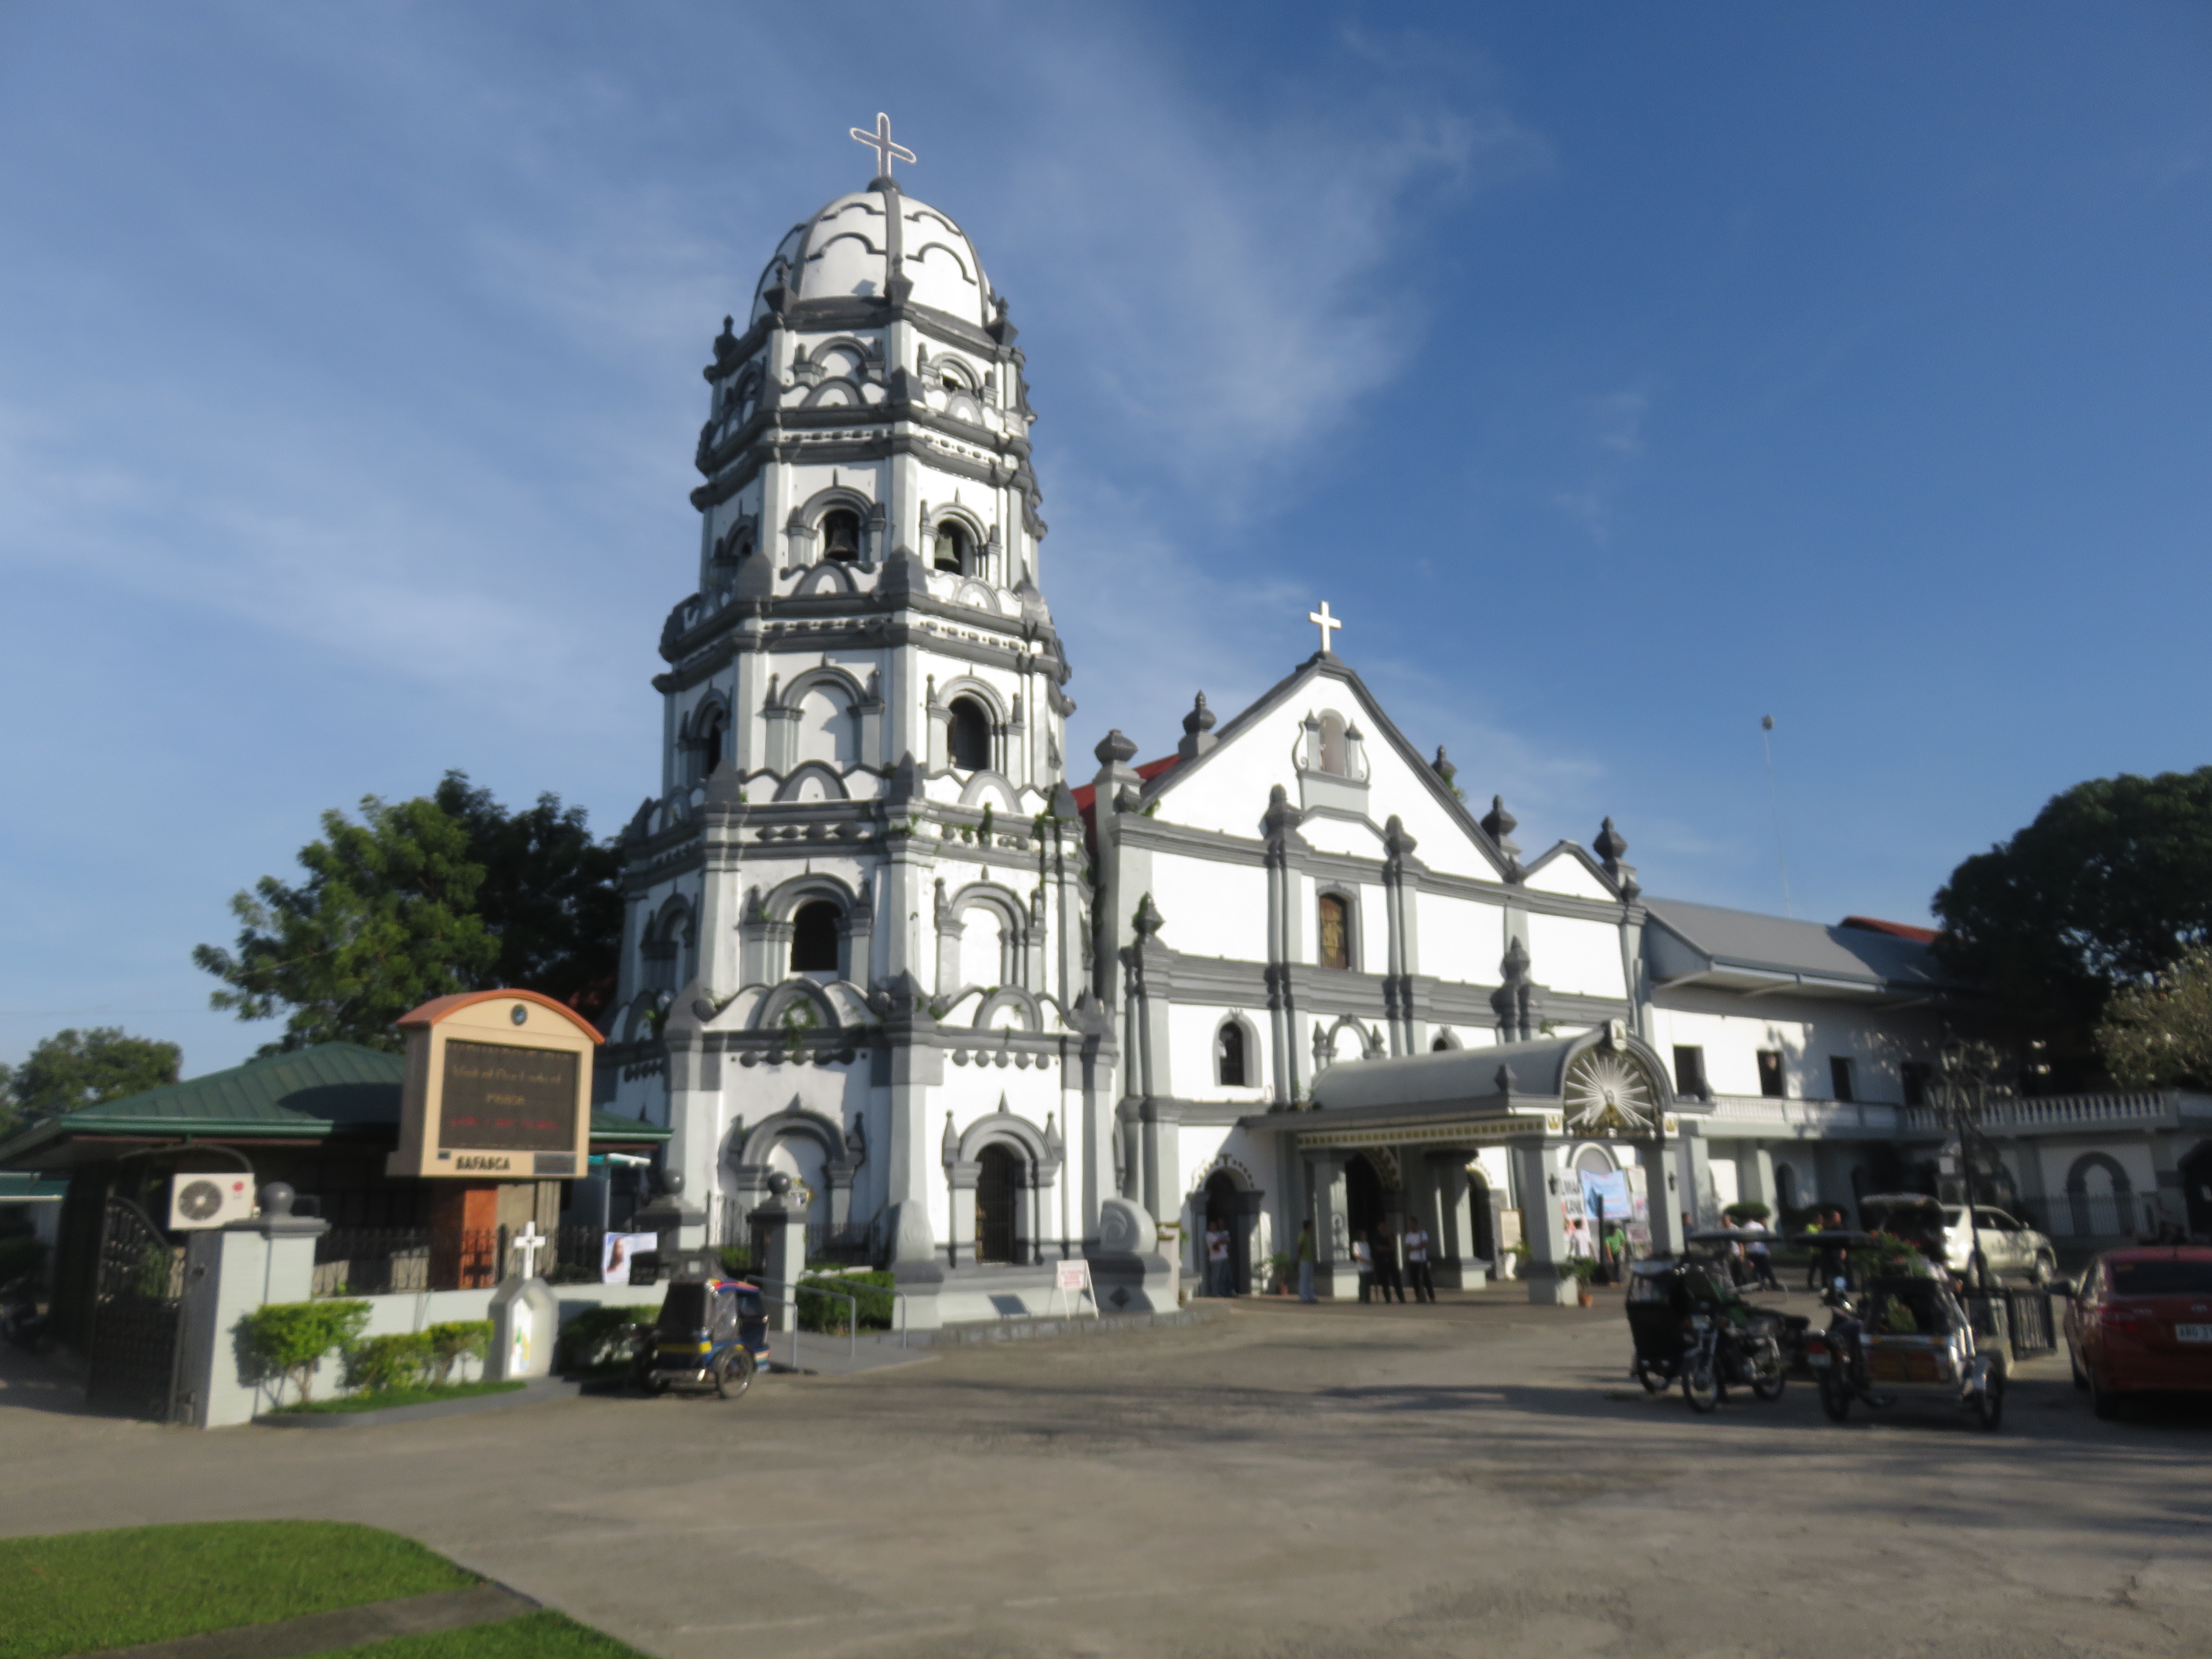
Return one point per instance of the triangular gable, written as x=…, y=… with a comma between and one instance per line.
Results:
x=1218, y=789
x=1568, y=869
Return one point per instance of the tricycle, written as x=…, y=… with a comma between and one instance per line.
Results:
x=1689, y=1324
x=712, y=1334
x=1900, y=1333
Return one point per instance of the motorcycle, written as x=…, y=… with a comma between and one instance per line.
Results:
x=1721, y=1352
x=21, y=1322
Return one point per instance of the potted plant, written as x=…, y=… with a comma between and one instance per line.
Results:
x=1582, y=1270
x=1280, y=1269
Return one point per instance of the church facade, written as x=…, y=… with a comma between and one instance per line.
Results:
x=987, y=1022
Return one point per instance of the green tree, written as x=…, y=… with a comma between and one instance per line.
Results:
x=2106, y=889
x=74, y=1068
x=2162, y=1032
x=446, y=892
x=386, y=920
x=551, y=894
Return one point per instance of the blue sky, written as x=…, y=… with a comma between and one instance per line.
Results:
x=1621, y=374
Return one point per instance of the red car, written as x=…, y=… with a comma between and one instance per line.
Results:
x=2140, y=1322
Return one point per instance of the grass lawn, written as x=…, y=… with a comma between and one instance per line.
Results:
x=384, y=1399
x=533, y=1636
x=84, y=1591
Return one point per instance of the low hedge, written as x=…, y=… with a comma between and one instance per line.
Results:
x=599, y=1336
x=828, y=1314
x=19, y=1257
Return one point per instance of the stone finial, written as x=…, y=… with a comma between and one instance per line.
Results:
x=277, y=1199
x=1443, y=768
x=949, y=1149
x=1610, y=845
x=1054, y=1147
x=1515, y=967
x=1197, y=731
x=726, y=343
x=1147, y=920
x=1115, y=749
x=778, y=1183
x=1497, y=823
x=1506, y=1080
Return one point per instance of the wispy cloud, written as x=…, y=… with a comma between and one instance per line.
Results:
x=1612, y=437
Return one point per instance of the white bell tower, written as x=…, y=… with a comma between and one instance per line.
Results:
x=861, y=890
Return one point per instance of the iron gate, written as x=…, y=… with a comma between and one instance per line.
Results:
x=135, y=1316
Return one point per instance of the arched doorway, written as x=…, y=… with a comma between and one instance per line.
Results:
x=2196, y=1190
x=1363, y=1196
x=997, y=1199
x=1221, y=1214
x=1482, y=1240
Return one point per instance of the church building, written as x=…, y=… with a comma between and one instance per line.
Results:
x=1284, y=972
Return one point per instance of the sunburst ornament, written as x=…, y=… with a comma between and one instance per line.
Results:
x=1609, y=1093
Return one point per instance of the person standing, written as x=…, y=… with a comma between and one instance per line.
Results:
x=1616, y=1248
x=1217, y=1255
x=1363, y=1262
x=1762, y=1264
x=1417, y=1262
x=1386, y=1282
x=1581, y=1247
x=1305, y=1261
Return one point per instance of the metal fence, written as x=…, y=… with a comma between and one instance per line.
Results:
x=2022, y=1317
x=395, y=1261
x=2094, y=1215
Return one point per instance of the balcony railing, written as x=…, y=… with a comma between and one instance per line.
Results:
x=2039, y=1114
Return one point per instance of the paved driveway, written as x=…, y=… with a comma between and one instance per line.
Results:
x=1470, y=1479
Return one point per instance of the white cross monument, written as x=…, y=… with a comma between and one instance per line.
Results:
x=1327, y=624
x=880, y=142
x=527, y=1244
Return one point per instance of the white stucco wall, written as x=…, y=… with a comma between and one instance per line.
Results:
x=1573, y=955
x=1461, y=940
x=1212, y=908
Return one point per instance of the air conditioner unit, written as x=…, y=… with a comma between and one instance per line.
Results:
x=210, y=1200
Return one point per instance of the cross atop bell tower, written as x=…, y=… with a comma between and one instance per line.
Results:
x=886, y=151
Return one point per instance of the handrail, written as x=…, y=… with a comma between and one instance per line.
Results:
x=852, y=1315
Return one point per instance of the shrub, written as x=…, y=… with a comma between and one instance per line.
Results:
x=600, y=1335
x=451, y=1343
x=287, y=1339
x=737, y=1260
x=380, y=1364
x=1747, y=1212
x=828, y=1314
x=1579, y=1269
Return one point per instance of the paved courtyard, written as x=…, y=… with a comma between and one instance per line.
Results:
x=1470, y=1479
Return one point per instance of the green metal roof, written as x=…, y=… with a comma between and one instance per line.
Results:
x=332, y=1090
x=21, y=1187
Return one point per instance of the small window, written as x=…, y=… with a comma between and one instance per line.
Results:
x=1769, y=1074
x=1839, y=1077
x=952, y=551
x=710, y=745
x=1335, y=933
x=1689, y=1070
x=840, y=537
x=971, y=735
x=1229, y=1054
x=814, y=938
x=1916, y=1074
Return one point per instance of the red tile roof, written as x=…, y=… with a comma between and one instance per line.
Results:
x=1894, y=929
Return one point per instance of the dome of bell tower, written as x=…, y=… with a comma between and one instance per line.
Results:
x=861, y=243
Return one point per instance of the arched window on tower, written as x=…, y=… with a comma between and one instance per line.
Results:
x=971, y=735
x=951, y=548
x=1335, y=940
x=710, y=745
x=841, y=535
x=1333, y=758
x=1229, y=1055
x=814, y=932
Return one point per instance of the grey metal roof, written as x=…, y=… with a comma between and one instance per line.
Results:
x=1743, y=950
x=1457, y=1076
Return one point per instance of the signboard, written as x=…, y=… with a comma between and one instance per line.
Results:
x=498, y=1089
x=1073, y=1276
